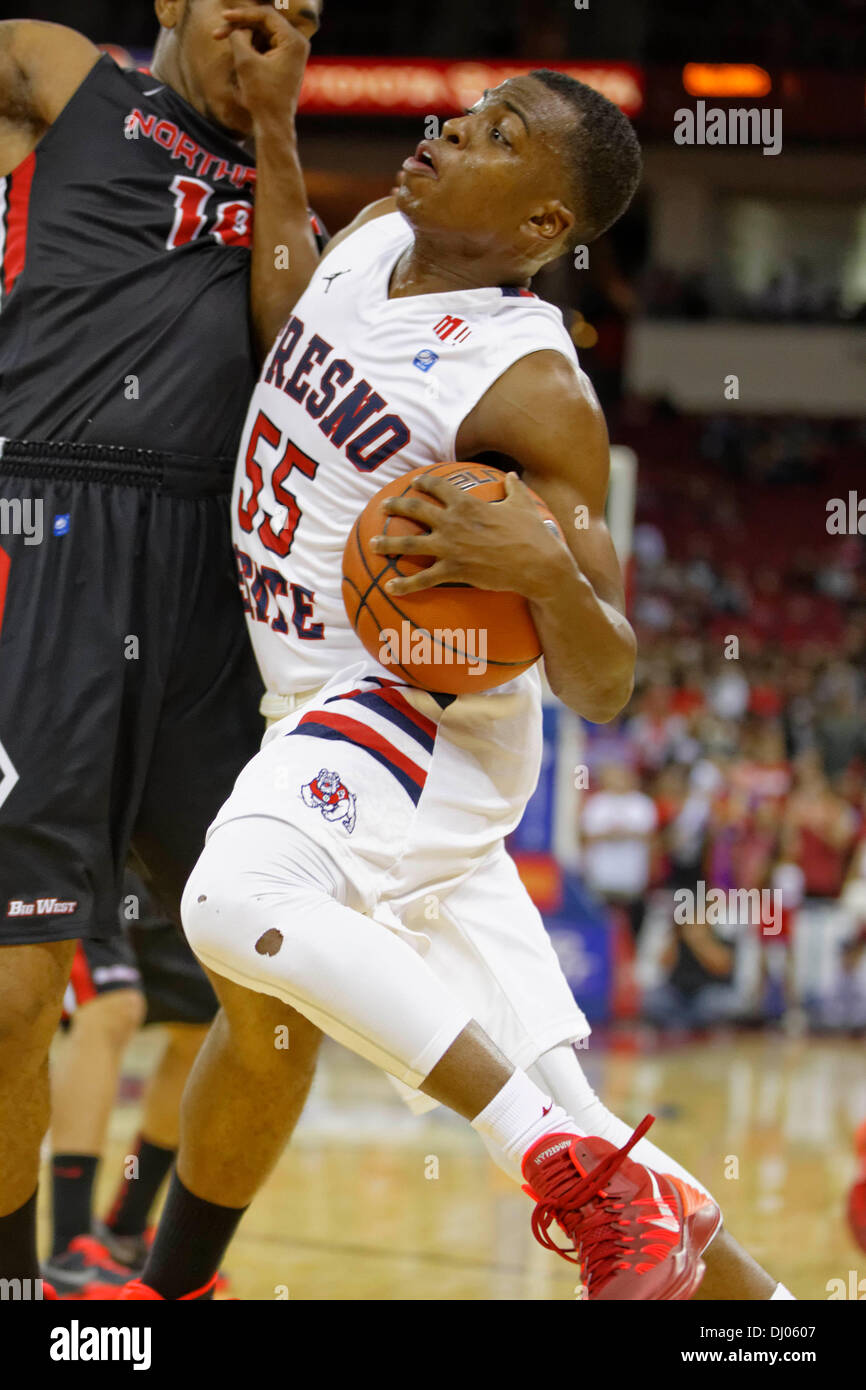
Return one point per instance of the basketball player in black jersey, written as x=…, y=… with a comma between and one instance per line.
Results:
x=133, y=298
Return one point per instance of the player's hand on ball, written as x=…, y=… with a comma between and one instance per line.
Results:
x=270, y=57
x=505, y=546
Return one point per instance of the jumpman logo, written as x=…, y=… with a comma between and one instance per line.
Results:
x=329, y=278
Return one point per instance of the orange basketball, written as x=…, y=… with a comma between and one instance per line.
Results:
x=453, y=638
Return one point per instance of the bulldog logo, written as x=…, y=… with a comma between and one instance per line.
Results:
x=327, y=794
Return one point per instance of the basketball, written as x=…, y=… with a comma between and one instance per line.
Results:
x=453, y=639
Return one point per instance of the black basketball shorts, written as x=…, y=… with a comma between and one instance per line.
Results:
x=150, y=954
x=128, y=690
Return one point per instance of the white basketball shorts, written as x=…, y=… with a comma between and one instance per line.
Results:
x=369, y=771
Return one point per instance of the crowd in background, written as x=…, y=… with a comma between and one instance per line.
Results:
x=740, y=761
x=795, y=293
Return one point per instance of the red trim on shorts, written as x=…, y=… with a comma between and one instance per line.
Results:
x=5, y=567
x=367, y=738
x=80, y=977
x=391, y=695
x=394, y=698
x=17, y=217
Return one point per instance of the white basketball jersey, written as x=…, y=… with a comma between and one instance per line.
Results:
x=358, y=390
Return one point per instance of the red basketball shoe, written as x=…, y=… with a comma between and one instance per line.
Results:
x=84, y=1271
x=137, y=1292
x=857, y=1195
x=635, y=1233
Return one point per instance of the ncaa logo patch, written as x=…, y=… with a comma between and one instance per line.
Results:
x=326, y=793
x=61, y=525
x=426, y=359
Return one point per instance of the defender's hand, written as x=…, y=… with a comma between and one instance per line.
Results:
x=270, y=57
x=503, y=545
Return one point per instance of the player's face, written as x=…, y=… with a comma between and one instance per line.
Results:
x=496, y=175
x=209, y=62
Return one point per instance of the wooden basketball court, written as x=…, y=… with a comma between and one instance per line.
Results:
x=373, y=1203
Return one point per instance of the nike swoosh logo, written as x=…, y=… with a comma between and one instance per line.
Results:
x=666, y=1223
x=547, y=1109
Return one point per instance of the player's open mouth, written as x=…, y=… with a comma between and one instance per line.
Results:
x=421, y=162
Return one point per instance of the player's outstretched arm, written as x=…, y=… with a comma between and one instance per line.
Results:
x=41, y=67
x=543, y=413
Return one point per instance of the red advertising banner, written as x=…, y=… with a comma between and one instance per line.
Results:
x=411, y=86
x=426, y=86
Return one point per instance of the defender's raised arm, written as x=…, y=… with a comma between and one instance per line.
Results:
x=270, y=51
x=41, y=67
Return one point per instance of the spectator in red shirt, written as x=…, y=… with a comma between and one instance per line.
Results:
x=819, y=830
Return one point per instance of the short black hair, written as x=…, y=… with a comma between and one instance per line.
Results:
x=604, y=158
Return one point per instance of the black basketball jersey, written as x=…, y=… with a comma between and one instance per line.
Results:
x=124, y=275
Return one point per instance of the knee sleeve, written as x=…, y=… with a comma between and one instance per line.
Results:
x=262, y=908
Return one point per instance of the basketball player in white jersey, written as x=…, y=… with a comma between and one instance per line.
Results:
x=370, y=799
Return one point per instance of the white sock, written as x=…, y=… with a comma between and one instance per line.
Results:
x=559, y=1072
x=516, y=1118
x=781, y=1292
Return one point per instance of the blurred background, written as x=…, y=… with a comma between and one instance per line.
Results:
x=723, y=323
